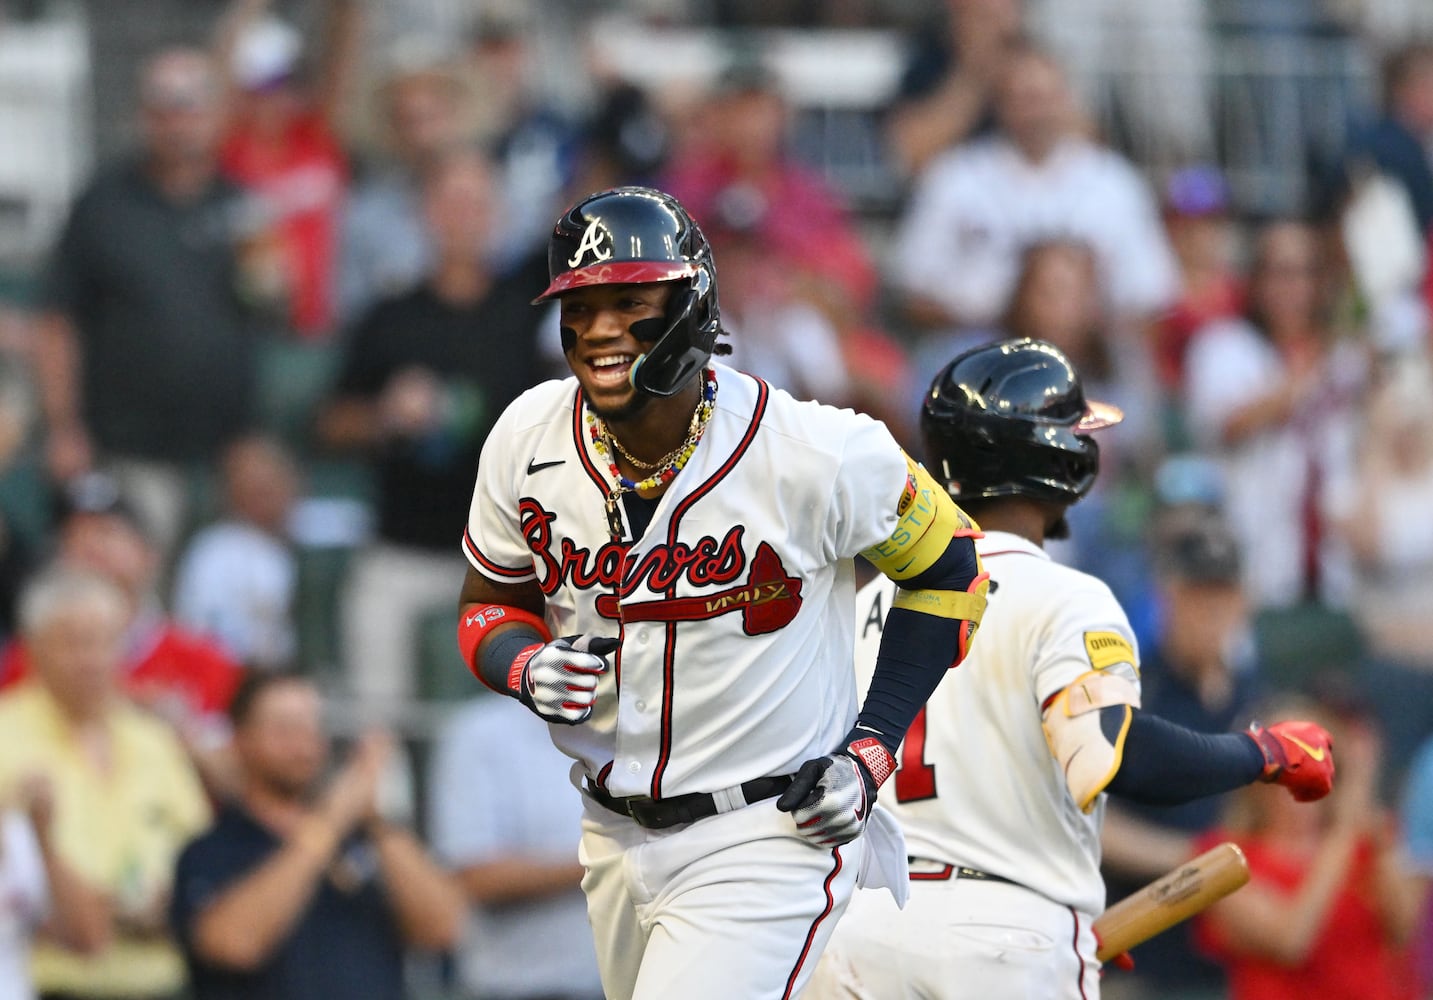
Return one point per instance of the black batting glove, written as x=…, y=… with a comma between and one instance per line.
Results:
x=831, y=797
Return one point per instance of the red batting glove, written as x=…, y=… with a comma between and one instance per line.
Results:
x=1297, y=755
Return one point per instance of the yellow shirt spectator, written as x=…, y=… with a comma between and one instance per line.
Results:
x=119, y=825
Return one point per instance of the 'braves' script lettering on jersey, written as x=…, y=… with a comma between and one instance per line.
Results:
x=591, y=241
x=768, y=597
x=574, y=564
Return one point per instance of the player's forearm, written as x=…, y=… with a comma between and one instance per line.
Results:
x=931, y=554
x=1166, y=764
x=517, y=879
x=915, y=653
x=495, y=624
x=425, y=899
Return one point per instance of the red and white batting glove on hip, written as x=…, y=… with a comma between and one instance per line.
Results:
x=1297, y=755
x=558, y=680
x=831, y=797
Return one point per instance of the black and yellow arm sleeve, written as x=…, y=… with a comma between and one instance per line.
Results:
x=931, y=555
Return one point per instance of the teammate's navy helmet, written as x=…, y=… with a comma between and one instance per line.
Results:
x=638, y=235
x=1011, y=419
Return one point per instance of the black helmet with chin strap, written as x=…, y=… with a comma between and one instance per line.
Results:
x=638, y=236
x=1011, y=419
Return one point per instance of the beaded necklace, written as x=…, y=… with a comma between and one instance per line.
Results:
x=665, y=470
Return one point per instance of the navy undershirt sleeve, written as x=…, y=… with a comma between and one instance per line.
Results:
x=916, y=650
x=1166, y=764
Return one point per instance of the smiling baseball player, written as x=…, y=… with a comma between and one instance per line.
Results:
x=662, y=567
x=1002, y=775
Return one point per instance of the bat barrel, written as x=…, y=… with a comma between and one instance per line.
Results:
x=1177, y=895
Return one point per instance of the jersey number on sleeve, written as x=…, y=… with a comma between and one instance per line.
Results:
x=915, y=780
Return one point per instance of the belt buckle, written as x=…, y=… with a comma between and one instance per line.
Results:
x=645, y=811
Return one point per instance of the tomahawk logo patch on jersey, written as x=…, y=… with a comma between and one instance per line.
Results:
x=768, y=599
x=592, y=242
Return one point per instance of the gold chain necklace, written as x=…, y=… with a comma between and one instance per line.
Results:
x=637, y=463
x=665, y=470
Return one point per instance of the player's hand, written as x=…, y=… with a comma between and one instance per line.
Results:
x=831, y=797
x=558, y=680
x=1297, y=755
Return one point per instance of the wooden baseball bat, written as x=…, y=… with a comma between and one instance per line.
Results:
x=1174, y=896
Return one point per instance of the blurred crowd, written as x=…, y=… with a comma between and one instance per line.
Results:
x=241, y=412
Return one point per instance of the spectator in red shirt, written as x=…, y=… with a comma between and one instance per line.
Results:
x=282, y=144
x=182, y=676
x=1196, y=216
x=738, y=164
x=1330, y=907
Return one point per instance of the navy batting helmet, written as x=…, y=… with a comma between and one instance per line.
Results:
x=636, y=236
x=1011, y=419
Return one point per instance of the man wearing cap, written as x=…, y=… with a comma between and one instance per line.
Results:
x=144, y=357
x=1192, y=676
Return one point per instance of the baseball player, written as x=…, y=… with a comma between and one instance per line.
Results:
x=662, y=567
x=1002, y=775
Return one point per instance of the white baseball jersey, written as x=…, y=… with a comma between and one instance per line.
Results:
x=734, y=608
x=977, y=784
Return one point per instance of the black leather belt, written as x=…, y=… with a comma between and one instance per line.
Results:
x=936, y=871
x=657, y=814
x=963, y=872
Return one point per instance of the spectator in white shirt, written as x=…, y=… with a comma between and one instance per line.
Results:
x=236, y=579
x=1271, y=395
x=511, y=834
x=976, y=209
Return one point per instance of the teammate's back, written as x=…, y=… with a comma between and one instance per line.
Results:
x=1003, y=775
x=978, y=785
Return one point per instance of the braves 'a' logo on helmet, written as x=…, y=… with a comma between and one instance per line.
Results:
x=592, y=242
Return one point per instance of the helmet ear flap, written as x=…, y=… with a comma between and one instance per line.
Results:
x=675, y=356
